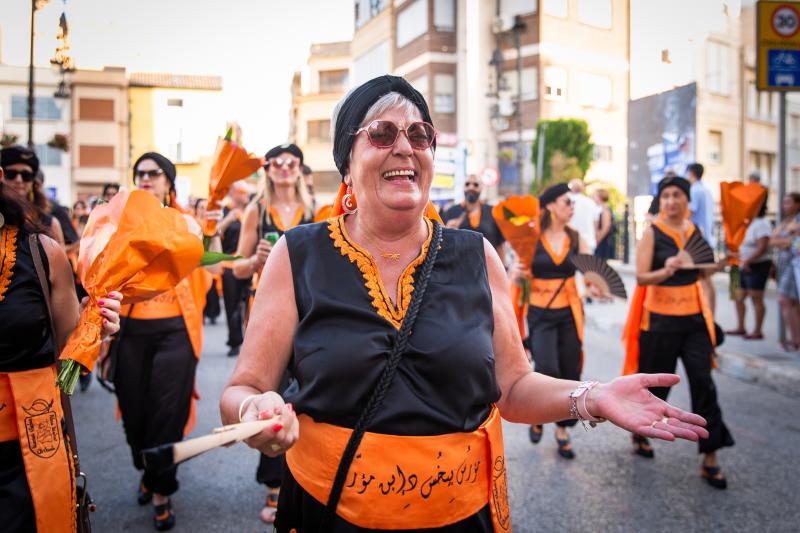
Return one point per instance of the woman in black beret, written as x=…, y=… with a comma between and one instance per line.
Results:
x=555, y=312
x=403, y=341
x=670, y=318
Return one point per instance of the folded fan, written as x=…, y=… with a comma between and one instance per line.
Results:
x=697, y=253
x=168, y=455
x=598, y=273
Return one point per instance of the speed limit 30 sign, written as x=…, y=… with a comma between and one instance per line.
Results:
x=778, y=41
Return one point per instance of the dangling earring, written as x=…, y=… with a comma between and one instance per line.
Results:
x=349, y=205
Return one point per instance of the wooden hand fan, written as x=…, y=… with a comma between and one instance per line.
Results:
x=697, y=253
x=598, y=273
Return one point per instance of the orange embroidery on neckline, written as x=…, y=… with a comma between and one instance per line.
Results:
x=557, y=258
x=276, y=218
x=674, y=235
x=8, y=257
x=394, y=314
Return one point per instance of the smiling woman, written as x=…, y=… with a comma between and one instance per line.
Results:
x=404, y=344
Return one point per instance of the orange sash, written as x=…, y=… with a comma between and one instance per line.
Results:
x=542, y=291
x=429, y=481
x=30, y=411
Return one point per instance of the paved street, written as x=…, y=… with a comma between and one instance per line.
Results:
x=606, y=488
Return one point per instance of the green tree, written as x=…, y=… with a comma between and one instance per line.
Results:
x=567, y=151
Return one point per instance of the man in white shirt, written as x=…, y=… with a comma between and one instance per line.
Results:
x=584, y=218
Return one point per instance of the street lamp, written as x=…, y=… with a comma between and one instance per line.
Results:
x=35, y=6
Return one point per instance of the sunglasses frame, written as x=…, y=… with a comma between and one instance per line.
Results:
x=281, y=162
x=21, y=173
x=399, y=129
x=151, y=174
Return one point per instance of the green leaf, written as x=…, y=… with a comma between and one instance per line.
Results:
x=212, y=258
x=229, y=134
x=508, y=214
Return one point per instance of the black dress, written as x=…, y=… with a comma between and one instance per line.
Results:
x=25, y=344
x=445, y=382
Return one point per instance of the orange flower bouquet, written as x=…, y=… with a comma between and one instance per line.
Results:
x=739, y=204
x=135, y=246
x=518, y=220
x=231, y=163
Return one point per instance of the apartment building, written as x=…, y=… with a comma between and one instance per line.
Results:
x=99, y=130
x=316, y=89
x=52, y=116
x=181, y=117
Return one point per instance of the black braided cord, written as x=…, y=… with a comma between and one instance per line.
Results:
x=385, y=380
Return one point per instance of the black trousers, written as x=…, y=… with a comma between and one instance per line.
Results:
x=16, y=503
x=555, y=346
x=659, y=352
x=270, y=470
x=212, y=308
x=154, y=381
x=235, y=292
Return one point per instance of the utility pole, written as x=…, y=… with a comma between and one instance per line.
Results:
x=518, y=28
x=30, y=80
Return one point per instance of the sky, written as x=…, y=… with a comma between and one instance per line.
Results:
x=255, y=45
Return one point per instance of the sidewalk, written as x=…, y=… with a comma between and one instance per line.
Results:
x=762, y=362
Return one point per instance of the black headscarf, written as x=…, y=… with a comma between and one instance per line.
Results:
x=354, y=109
x=675, y=181
x=162, y=162
x=552, y=193
x=17, y=154
x=288, y=148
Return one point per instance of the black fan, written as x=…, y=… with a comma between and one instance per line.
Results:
x=597, y=272
x=697, y=253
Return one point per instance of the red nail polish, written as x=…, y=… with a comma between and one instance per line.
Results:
x=101, y=302
x=105, y=322
x=277, y=427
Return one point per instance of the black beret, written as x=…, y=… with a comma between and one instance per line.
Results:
x=162, y=162
x=675, y=181
x=353, y=111
x=289, y=148
x=552, y=193
x=19, y=154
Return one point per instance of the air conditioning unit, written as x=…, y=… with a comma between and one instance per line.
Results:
x=503, y=23
x=505, y=108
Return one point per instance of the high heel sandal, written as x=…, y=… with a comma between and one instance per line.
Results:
x=713, y=476
x=143, y=496
x=641, y=446
x=270, y=510
x=163, y=517
x=565, y=449
x=535, y=433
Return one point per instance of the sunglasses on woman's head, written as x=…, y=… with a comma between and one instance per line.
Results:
x=152, y=174
x=278, y=162
x=26, y=175
x=384, y=133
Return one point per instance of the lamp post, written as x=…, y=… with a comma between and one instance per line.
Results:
x=35, y=5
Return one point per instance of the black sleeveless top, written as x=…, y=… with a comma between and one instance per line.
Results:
x=445, y=382
x=664, y=248
x=25, y=339
x=545, y=267
x=486, y=226
x=273, y=223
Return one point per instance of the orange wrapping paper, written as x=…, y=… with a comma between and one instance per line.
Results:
x=739, y=204
x=231, y=163
x=135, y=246
x=518, y=220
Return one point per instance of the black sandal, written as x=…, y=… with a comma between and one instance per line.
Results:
x=713, y=476
x=143, y=496
x=641, y=446
x=535, y=433
x=270, y=506
x=163, y=517
x=565, y=449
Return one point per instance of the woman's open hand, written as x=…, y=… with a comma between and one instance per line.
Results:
x=627, y=402
x=279, y=437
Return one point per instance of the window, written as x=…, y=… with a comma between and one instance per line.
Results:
x=595, y=13
x=444, y=15
x=421, y=84
x=319, y=131
x=333, y=81
x=48, y=156
x=372, y=63
x=96, y=109
x=601, y=152
x=44, y=108
x=444, y=93
x=95, y=156
x=718, y=68
x=556, y=8
x=366, y=10
x=594, y=90
x=764, y=163
x=511, y=8
x=412, y=22
x=529, y=84
x=175, y=102
x=555, y=83
x=715, y=147
x=761, y=105
x=794, y=130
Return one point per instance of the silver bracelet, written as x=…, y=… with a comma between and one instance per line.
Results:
x=583, y=414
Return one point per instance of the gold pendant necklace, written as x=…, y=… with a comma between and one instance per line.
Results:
x=386, y=254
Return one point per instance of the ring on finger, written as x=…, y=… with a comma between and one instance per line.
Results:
x=275, y=447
